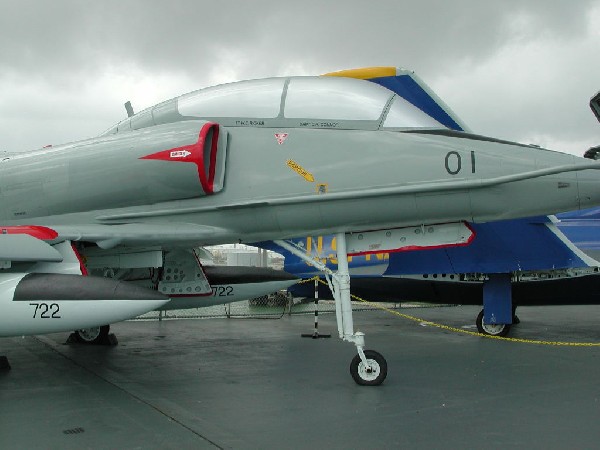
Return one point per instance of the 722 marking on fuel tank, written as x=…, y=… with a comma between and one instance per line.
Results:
x=47, y=311
x=222, y=291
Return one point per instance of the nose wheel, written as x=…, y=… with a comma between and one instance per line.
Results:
x=371, y=373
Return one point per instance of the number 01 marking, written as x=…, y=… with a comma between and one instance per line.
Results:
x=453, y=162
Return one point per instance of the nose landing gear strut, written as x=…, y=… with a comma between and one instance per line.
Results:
x=368, y=367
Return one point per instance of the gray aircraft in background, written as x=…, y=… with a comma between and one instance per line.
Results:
x=255, y=160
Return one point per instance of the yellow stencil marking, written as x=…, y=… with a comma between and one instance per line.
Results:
x=300, y=170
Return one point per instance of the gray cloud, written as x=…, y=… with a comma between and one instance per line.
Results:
x=68, y=65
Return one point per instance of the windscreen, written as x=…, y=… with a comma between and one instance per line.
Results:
x=334, y=98
x=403, y=114
x=254, y=98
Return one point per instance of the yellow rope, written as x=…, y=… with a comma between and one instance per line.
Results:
x=460, y=330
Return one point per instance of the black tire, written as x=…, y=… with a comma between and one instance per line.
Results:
x=516, y=319
x=491, y=330
x=378, y=366
x=93, y=335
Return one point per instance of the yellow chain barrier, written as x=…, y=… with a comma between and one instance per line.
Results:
x=311, y=279
x=460, y=330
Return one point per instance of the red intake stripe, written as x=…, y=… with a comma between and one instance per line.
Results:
x=194, y=153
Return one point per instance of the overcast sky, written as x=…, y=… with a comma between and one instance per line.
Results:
x=518, y=70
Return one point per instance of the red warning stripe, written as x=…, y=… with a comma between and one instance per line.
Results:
x=37, y=231
x=82, y=266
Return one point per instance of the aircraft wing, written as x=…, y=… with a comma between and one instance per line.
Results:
x=24, y=247
x=42, y=289
x=135, y=268
x=35, y=243
x=136, y=234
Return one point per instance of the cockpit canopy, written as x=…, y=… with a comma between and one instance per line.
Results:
x=291, y=102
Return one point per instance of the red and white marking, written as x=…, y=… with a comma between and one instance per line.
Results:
x=180, y=154
x=281, y=137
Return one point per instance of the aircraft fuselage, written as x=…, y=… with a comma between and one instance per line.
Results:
x=316, y=181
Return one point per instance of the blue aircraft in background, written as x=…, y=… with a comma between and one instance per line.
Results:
x=527, y=262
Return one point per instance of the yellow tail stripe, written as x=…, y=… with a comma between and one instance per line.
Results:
x=364, y=73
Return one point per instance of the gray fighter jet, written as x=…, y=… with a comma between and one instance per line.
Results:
x=256, y=160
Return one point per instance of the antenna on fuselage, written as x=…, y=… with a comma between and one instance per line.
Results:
x=129, y=109
x=595, y=105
